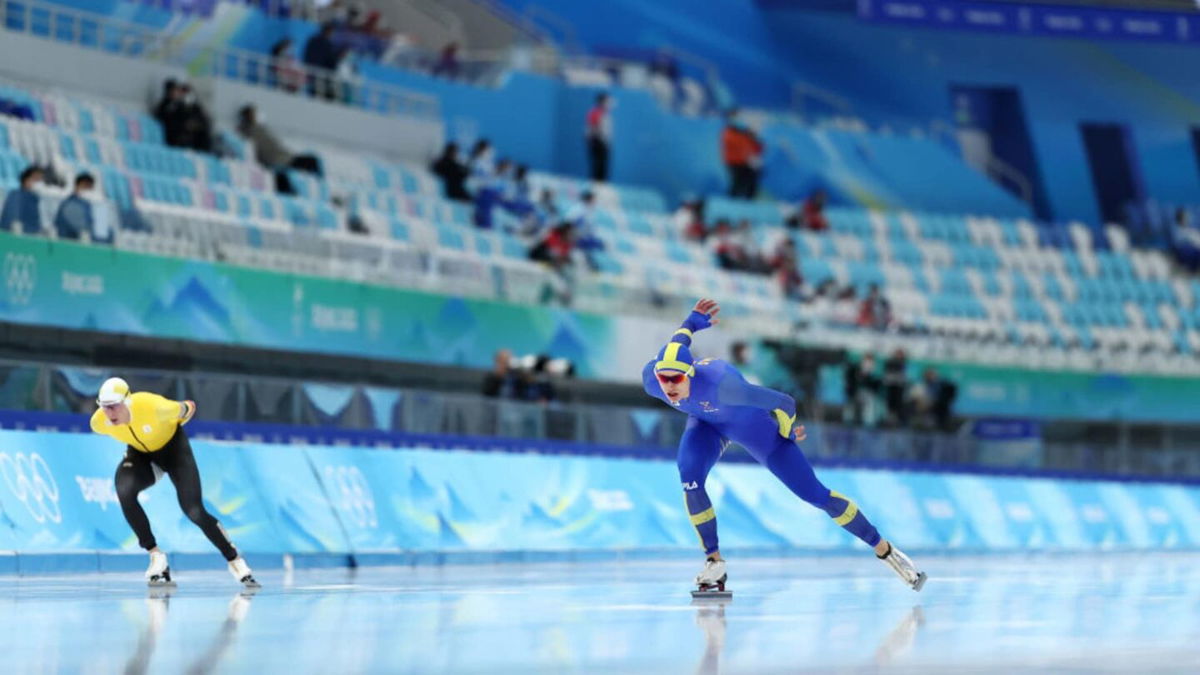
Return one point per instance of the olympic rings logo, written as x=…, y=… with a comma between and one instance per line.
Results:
x=30, y=481
x=351, y=494
x=20, y=277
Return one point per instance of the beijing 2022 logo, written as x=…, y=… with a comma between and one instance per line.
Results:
x=20, y=277
x=30, y=481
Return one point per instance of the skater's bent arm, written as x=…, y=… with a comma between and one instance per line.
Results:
x=173, y=411
x=735, y=390
x=98, y=423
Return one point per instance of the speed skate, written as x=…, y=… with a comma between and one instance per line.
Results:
x=710, y=582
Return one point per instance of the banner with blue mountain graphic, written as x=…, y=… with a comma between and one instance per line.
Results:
x=81, y=287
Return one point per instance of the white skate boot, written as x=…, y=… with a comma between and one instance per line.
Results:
x=241, y=571
x=903, y=567
x=710, y=582
x=159, y=572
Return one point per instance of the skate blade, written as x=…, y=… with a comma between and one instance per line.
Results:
x=155, y=583
x=920, y=583
x=712, y=595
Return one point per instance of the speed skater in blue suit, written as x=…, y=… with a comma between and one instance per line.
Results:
x=722, y=407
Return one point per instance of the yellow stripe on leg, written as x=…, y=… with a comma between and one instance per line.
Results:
x=704, y=516
x=849, y=513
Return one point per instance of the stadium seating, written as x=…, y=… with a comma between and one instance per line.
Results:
x=984, y=289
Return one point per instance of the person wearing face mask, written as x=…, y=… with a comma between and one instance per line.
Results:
x=271, y=153
x=75, y=215
x=598, y=134
x=722, y=407
x=453, y=172
x=482, y=165
x=21, y=212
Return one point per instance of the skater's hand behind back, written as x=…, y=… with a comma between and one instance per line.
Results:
x=703, y=315
x=801, y=434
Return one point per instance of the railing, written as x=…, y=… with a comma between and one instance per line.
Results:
x=997, y=169
x=804, y=90
x=97, y=31
x=650, y=431
x=86, y=29
x=264, y=70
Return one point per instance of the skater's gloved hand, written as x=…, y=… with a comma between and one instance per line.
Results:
x=186, y=411
x=786, y=422
x=703, y=315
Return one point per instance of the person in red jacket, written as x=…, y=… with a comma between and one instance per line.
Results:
x=742, y=152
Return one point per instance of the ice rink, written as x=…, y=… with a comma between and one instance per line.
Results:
x=1080, y=613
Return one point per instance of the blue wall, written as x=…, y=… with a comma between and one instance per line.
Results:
x=901, y=77
x=733, y=34
x=57, y=497
x=904, y=75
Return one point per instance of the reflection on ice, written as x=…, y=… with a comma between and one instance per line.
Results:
x=1116, y=612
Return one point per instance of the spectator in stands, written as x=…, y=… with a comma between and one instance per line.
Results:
x=933, y=401
x=347, y=76
x=598, y=134
x=490, y=189
x=448, y=65
x=503, y=381
x=22, y=209
x=545, y=213
x=185, y=122
x=320, y=53
x=453, y=172
x=481, y=165
x=518, y=200
x=582, y=218
x=271, y=153
x=285, y=71
x=197, y=125
x=862, y=387
x=754, y=260
x=75, y=216
x=785, y=266
x=821, y=303
x=1185, y=242
x=170, y=113
x=724, y=245
x=742, y=152
x=895, y=384
x=689, y=221
x=846, y=307
x=811, y=215
x=556, y=249
x=875, y=310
